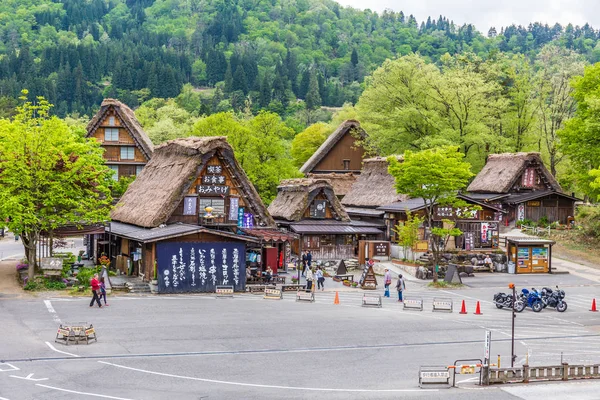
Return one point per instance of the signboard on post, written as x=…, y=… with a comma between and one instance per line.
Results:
x=488, y=345
x=381, y=249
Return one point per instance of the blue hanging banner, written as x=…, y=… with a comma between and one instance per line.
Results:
x=240, y=219
x=199, y=267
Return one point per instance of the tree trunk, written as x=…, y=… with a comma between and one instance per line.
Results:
x=30, y=240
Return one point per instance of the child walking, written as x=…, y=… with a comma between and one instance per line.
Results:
x=103, y=291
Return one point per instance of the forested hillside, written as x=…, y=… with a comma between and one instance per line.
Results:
x=258, y=54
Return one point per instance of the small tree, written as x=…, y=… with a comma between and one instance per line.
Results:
x=434, y=175
x=408, y=233
x=50, y=175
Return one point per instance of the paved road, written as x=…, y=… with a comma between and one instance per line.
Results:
x=193, y=347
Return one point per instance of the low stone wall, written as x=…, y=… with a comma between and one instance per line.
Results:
x=526, y=373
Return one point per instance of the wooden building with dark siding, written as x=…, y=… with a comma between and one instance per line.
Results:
x=521, y=184
x=127, y=148
x=191, y=205
x=310, y=208
x=339, y=157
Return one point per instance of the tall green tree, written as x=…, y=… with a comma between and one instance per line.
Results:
x=308, y=141
x=240, y=81
x=313, y=98
x=51, y=175
x=435, y=176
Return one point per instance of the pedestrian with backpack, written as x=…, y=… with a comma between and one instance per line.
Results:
x=387, y=279
x=400, y=287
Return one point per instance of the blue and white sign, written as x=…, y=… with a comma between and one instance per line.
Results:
x=199, y=267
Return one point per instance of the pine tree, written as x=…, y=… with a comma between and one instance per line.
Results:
x=228, y=79
x=265, y=93
x=303, y=89
x=240, y=81
x=292, y=70
x=313, y=98
x=354, y=57
x=153, y=83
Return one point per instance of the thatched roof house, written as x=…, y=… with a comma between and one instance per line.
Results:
x=503, y=173
x=295, y=196
x=340, y=152
x=171, y=173
x=341, y=183
x=127, y=120
x=374, y=186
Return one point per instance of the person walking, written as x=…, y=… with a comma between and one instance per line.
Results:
x=309, y=279
x=387, y=280
x=103, y=291
x=400, y=287
x=95, y=284
x=309, y=258
x=304, y=262
x=320, y=279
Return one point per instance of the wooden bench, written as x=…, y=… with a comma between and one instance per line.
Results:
x=292, y=288
x=345, y=277
x=258, y=288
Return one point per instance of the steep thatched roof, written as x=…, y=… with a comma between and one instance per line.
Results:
x=331, y=141
x=294, y=196
x=129, y=121
x=502, y=171
x=151, y=199
x=341, y=183
x=374, y=186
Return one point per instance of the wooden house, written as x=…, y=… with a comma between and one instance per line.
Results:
x=373, y=188
x=481, y=228
x=339, y=158
x=127, y=148
x=193, y=210
x=521, y=184
x=310, y=208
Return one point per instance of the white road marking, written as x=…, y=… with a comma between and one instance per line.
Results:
x=29, y=378
x=12, y=367
x=3, y=398
x=82, y=393
x=60, y=351
x=52, y=311
x=191, y=378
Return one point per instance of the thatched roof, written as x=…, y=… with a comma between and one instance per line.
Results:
x=341, y=183
x=294, y=196
x=151, y=199
x=501, y=172
x=331, y=141
x=129, y=121
x=374, y=186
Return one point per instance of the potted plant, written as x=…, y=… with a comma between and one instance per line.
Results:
x=154, y=281
x=354, y=284
x=346, y=282
x=294, y=279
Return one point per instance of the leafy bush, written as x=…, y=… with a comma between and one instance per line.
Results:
x=32, y=285
x=85, y=275
x=525, y=222
x=588, y=218
x=543, y=222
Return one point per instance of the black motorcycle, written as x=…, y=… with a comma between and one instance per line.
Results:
x=554, y=298
x=504, y=300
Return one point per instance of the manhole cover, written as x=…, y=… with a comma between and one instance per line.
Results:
x=6, y=295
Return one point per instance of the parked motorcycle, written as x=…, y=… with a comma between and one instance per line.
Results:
x=554, y=298
x=504, y=300
x=531, y=298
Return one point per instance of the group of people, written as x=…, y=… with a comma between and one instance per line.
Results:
x=98, y=291
x=400, y=284
x=317, y=275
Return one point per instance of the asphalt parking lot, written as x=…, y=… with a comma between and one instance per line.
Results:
x=246, y=347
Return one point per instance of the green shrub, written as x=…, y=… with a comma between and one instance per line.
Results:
x=31, y=285
x=588, y=218
x=543, y=222
x=85, y=275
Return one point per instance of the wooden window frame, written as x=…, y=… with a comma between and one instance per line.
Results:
x=128, y=148
x=109, y=134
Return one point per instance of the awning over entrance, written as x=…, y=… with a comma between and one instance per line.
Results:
x=323, y=229
x=270, y=235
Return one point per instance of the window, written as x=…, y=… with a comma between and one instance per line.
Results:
x=127, y=153
x=346, y=165
x=111, y=134
x=111, y=121
x=218, y=205
x=138, y=169
x=115, y=171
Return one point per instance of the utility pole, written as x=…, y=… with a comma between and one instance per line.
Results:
x=512, y=344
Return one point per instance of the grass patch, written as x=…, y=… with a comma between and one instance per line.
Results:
x=444, y=285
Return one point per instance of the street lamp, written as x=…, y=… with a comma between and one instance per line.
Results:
x=512, y=348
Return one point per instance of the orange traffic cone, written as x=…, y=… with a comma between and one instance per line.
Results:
x=337, y=298
x=594, y=309
x=463, y=308
x=478, y=309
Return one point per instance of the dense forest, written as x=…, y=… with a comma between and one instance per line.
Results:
x=256, y=54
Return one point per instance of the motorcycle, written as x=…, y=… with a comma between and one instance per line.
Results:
x=531, y=299
x=554, y=298
x=504, y=300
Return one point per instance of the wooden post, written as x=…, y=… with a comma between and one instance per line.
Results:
x=525, y=373
x=565, y=371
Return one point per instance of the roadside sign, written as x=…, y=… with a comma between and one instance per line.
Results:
x=433, y=375
x=413, y=304
x=224, y=291
x=371, y=300
x=488, y=344
x=274, y=294
x=442, y=305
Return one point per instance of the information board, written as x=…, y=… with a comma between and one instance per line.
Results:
x=200, y=267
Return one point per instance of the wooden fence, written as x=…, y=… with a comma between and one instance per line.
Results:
x=525, y=374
